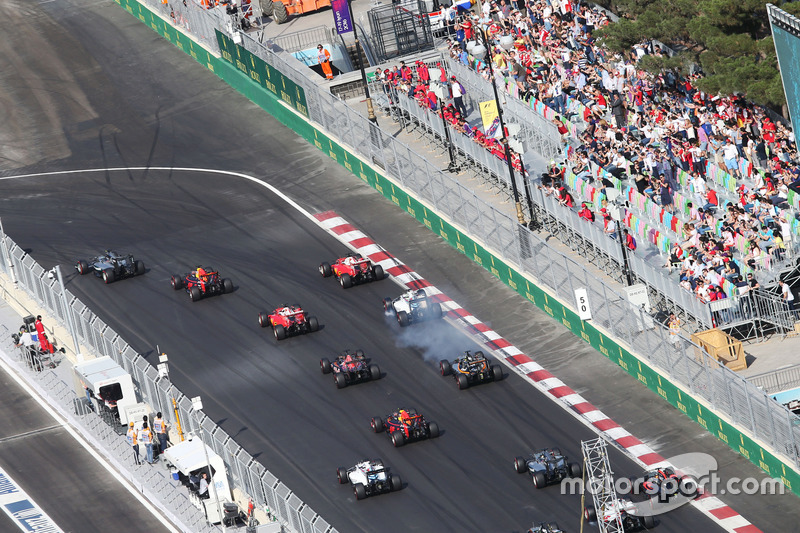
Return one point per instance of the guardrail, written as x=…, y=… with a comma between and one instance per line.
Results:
x=304, y=39
x=245, y=473
x=718, y=399
x=779, y=380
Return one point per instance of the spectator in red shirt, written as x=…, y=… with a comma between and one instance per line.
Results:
x=564, y=197
x=630, y=242
x=586, y=213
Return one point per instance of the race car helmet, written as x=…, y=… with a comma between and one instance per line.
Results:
x=420, y=293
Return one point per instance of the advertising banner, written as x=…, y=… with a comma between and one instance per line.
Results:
x=341, y=16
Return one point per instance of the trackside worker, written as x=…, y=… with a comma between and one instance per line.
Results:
x=160, y=429
x=134, y=443
x=324, y=58
x=145, y=436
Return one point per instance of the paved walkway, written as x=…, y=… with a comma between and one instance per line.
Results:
x=41, y=453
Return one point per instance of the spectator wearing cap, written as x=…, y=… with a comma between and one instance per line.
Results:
x=586, y=213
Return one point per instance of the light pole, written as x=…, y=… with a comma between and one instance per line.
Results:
x=197, y=406
x=370, y=110
x=616, y=214
x=503, y=140
x=68, y=316
x=163, y=372
x=442, y=94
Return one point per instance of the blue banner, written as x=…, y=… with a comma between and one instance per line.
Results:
x=341, y=16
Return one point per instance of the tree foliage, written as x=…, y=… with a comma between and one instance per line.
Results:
x=729, y=39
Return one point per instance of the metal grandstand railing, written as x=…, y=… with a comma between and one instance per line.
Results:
x=304, y=39
x=779, y=380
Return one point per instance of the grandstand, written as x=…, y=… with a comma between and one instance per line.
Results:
x=708, y=185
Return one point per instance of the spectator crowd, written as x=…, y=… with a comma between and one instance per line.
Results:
x=711, y=181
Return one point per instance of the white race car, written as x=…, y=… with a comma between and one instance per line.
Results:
x=369, y=478
x=412, y=306
x=628, y=513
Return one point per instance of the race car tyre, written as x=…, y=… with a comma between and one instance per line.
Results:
x=341, y=473
x=590, y=514
x=341, y=381
x=377, y=271
x=402, y=319
x=177, y=282
x=279, y=13
x=397, y=483
x=374, y=372
x=398, y=439
x=108, y=276
x=433, y=430
x=539, y=480
x=648, y=521
x=463, y=382
x=377, y=424
x=139, y=270
x=279, y=331
x=575, y=470
x=520, y=465
x=266, y=7
x=313, y=325
x=444, y=367
x=325, y=365
x=360, y=354
x=227, y=286
x=195, y=294
x=358, y=489
x=325, y=270
x=82, y=267
x=387, y=306
x=436, y=310
x=497, y=372
x=263, y=320
x=345, y=281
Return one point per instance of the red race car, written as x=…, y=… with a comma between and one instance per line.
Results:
x=202, y=282
x=405, y=425
x=352, y=269
x=288, y=320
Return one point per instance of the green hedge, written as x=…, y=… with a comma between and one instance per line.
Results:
x=283, y=99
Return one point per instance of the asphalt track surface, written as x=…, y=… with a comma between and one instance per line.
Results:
x=113, y=104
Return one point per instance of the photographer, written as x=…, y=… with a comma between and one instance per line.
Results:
x=24, y=341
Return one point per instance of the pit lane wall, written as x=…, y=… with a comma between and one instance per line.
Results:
x=736, y=412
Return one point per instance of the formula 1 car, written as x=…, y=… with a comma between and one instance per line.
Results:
x=405, y=425
x=202, y=282
x=412, y=306
x=349, y=368
x=547, y=467
x=471, y=369
x=369, y=478
x=630, y=522
x=288, y=320
x=663, y=483
x=111, y=266
x=352, y=269
x=550, y=527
